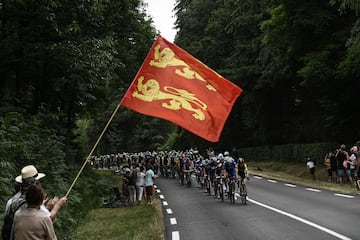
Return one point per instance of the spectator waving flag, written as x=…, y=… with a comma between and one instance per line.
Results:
x=173, y=85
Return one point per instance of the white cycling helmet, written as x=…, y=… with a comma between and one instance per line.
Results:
x=226, y=153
x=220, y=156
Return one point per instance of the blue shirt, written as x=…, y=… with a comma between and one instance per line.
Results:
x=149, y=178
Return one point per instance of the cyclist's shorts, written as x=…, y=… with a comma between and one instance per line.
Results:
x=232, y=176
x=242, y=175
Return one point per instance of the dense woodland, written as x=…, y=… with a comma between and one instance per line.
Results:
x=65, y=65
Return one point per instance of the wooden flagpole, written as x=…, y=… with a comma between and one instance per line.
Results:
x=93, y=149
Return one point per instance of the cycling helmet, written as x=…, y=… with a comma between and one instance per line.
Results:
x=226, y=153
x=241, y=160
x=220, y=156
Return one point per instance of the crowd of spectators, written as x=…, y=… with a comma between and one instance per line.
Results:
x=343, y=165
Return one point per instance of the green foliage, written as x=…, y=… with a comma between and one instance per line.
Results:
x=288, y=152
x=61, y=64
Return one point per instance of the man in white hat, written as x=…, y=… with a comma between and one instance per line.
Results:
x=29, y=171
x=30, y=175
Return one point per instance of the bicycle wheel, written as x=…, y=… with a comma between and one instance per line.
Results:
x=221, y=191
x=243, y=194
x=208, y=187
x=231, y=194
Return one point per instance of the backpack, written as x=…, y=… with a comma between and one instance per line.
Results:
x=6, y=231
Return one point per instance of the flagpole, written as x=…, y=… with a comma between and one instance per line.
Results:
x=93, y=149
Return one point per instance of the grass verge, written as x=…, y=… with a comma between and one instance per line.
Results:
x=138, y=222
x=297, y=173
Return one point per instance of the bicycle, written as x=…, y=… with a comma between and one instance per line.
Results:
x=187, y=177
x=231, y=191
x=207, y=183
x=243, y=190
x=221, y=186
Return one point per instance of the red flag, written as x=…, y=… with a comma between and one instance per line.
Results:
x=173, y=85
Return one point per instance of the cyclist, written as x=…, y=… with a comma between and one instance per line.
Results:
x=243, y=172
x=230, y=170
x=219, y=173
x=188, y=168
x=212, y=173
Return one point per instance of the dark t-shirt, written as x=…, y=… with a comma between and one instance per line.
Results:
x=341, y=156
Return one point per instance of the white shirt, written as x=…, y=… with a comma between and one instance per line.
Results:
x=310, y=164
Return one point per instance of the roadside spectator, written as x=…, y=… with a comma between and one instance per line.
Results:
x=30, y=223
x=140, y=181
x=330, y=160
x=30, y=175
x=352, y=161
x=149, y=183
x=341, y=157
x=333, y=163
x=311, y=166
x=130, y=180
x=357, y=167
x=17, y=194
x=327, y=164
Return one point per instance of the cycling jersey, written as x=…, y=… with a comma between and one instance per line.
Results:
x=230, y=168
x=219, y=169
x=242, y=170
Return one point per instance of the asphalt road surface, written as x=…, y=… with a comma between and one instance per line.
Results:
x=275, y=210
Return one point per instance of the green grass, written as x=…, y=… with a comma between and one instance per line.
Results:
x=297, y=173
x=138, y=222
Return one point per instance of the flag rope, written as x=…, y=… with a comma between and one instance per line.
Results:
x=92, y=150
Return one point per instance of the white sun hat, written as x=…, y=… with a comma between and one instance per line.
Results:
x=28, y=172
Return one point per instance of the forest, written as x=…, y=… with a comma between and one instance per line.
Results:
x=65, y=65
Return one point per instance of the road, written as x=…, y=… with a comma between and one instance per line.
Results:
x=275, y=210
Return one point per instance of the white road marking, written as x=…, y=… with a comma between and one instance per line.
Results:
x=290, y=185
x=158, y=191
x=161, y=196
x=175, y=235
x=343, y=195
x=173, y=221
x=312, y=189
x=272, y=181
x=324, y=229
x=257, y=177
x=165, y=203
x=169, y=211
x=155, y=186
